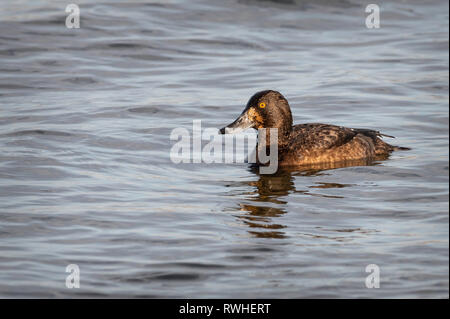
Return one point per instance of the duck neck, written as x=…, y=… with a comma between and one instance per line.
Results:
x=282, y=138
x=284, y=132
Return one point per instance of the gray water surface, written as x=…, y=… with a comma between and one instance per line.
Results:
x=86, y=178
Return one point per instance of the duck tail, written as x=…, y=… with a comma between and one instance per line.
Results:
x=383, y=135
x=377, y=136
x=394, y=147
x=400, y=148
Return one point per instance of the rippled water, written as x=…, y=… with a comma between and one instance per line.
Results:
x=86, y=177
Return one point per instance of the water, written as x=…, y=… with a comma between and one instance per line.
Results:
x=86, y=177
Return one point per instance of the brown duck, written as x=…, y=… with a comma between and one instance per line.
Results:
x=311, y=143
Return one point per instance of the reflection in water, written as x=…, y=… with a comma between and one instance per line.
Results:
x=270, y=190
x=330, y=185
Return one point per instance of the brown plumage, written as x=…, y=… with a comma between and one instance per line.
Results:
x=312, y=143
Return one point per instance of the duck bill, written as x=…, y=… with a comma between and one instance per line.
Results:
x=242, y=123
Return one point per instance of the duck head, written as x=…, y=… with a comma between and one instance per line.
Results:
x=265, y=109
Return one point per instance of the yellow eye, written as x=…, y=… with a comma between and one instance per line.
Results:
x=262, y=105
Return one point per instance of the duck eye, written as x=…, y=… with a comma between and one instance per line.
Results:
x=262, y=105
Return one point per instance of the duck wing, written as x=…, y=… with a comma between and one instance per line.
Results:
x=371, y=133
x=316, y=136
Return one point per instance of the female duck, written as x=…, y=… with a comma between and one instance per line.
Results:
x=312, y=143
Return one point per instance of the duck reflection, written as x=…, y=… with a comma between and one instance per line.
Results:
x=268, y=200
x=269, y=190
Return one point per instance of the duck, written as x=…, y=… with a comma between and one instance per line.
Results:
x=310, y=143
